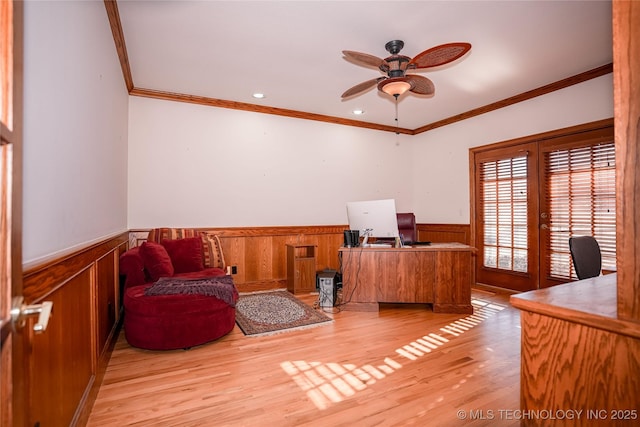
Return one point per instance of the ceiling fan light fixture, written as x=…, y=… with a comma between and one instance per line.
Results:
x=394, y=87
x=395, y=66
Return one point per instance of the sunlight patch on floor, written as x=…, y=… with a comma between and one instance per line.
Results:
x=328, y=383
x=333, y=382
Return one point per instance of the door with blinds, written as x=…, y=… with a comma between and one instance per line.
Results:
x=578, y=199
x=531, y=196
x=506, y=197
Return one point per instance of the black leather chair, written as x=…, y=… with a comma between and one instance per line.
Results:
x=586, y=256
x=407, y=227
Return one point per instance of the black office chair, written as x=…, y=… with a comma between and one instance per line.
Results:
x=586, y=256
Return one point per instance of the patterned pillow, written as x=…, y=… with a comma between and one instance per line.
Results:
x=212, y=251
x=159, y=234
x=212, y=255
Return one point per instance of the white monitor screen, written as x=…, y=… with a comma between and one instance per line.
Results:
x=378, y=216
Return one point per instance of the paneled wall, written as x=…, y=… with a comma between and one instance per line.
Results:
x=259, y=253
x=67, y=361
x=444, y=233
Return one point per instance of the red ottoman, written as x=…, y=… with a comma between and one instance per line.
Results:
x=166, y=322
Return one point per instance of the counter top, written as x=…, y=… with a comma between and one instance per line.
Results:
x=591, y=302
x=452, y=246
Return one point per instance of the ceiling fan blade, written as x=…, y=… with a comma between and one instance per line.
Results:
x=440, y=55
x=420, y=85
x=364, y=59
x=361, y=87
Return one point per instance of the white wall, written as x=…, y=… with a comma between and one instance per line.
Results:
x=200, y=166
x=75, y=129
x=193, y=165
x=441, y=156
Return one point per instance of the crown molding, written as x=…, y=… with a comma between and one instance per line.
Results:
x=118, y=38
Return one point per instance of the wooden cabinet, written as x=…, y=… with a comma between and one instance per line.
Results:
x=301, y=268
x=578, y=353
x=65, y=364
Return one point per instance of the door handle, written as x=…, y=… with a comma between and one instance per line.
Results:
x=544, y=226
x=20, y=310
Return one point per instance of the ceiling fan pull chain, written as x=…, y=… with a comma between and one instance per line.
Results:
x=397, y=123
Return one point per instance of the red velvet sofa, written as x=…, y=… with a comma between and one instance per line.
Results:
x=165, y=322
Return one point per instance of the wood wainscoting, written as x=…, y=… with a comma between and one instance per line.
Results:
x=65, y=364
x=260, y=254
x=444, y=233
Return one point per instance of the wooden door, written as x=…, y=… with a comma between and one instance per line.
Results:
x=506, y=190
x=12, y=368
x=577, y=198
x=531, y=196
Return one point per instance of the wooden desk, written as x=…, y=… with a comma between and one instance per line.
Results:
x=440, y=274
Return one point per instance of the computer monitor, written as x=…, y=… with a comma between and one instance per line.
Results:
x=374, y=218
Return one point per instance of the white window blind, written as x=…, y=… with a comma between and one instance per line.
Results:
x=581, y=198
x=503, y=186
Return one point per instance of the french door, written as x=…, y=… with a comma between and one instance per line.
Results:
x=531, y=195
x=506, y=224
x=578, y=175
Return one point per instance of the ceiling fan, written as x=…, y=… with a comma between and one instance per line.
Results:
x=397, y=81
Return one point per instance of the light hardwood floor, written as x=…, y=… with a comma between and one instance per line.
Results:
x=403, y=365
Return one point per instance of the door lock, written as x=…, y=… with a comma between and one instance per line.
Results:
x=20, y=310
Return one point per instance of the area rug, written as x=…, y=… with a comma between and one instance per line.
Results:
x=271, y=312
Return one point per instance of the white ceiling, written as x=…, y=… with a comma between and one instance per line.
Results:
x=292, y=50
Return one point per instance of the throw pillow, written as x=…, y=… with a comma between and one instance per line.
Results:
x=156, y=260
x=185, y=254
x=159, y=234
x=212, y=250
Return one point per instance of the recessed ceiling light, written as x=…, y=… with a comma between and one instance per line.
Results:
x=358, y=112
x=258, y=95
